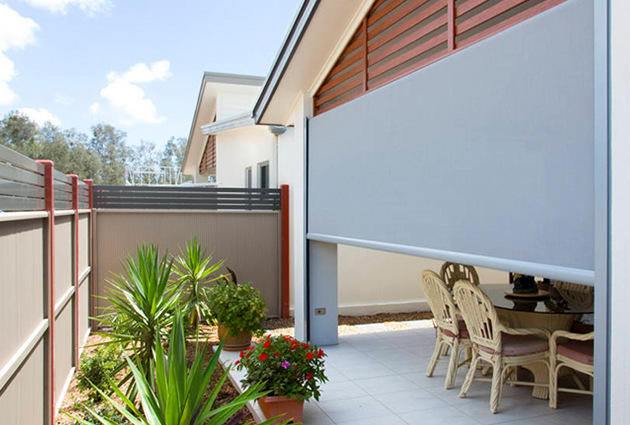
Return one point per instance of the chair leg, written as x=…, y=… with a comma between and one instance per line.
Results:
x=436, y=355
x=497, y=385
x=445, y=350
x=451, y=373
x=553, y=383
x=470, y=375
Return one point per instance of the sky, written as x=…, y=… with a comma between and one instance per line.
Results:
x=135, y=64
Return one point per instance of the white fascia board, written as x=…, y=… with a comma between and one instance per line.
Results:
x=232, y=123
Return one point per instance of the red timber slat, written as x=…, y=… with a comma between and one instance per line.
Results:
x=404, y=10
x=400, y=59
x=375, y=14
x=486, y=15
x=398, y=37
x=410, y=23
x=407, y=40
x=509, y=22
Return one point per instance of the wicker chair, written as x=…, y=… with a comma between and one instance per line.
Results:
x=451, y=329
x=577, y=295
x=452, y=272
x=571, y=350
x=502, y=347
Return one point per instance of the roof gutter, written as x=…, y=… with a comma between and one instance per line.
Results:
x=231, y=123
x=283, y=59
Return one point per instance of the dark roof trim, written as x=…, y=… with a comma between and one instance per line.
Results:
x=291, y=42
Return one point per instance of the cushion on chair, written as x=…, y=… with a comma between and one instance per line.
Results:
x=519, y=345
x=580, y=351
x=463, y=332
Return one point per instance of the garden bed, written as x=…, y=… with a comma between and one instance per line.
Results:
x=394, y=321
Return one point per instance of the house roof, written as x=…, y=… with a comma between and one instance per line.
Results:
x=205, y=112
x=319, y=33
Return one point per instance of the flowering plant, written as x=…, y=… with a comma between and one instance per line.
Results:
x=288, y=367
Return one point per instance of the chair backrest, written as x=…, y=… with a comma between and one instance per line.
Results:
x=452, y=272
x=440, y=301
x=576, y=294
x=479, y=314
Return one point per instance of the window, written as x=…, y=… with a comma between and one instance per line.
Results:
x=264, y=175
x=248, y=177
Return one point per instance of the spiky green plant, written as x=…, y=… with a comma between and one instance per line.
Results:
x=194, y=269
x=174, y=394
x=142, y=305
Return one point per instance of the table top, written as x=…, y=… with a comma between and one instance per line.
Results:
x=554, y=303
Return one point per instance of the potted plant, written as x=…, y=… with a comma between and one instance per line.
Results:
x=292, y=372
x=239, y=311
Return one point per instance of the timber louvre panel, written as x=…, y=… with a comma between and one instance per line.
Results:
x=406, y=35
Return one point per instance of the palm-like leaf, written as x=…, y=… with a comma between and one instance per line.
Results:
x=174, y=393
x=142, y=304
x=194, y=269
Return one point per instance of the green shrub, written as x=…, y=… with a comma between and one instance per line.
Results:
x=95, y=369
x=238, y=307
x=105, y=411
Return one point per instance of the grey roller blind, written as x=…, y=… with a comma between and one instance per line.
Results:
x=487, y=155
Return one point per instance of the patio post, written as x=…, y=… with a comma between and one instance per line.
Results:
x=322, y=293
x=49, y=260
x=75, y=264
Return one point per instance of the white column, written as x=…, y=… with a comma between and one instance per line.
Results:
x=620, y=210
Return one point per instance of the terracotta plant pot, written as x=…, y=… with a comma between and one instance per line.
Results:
x=273, y=406
x=234, y=343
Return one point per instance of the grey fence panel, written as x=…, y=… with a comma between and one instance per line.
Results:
x=30, y=384
x=248, y=241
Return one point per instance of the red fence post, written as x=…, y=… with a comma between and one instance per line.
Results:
x=49, y=194
x=284, y=229
x=75, y=207
x=90, y=185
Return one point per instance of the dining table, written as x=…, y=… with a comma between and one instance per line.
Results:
x=552, y=310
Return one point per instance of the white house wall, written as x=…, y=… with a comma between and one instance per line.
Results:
x=242, y=148
x=372, y=281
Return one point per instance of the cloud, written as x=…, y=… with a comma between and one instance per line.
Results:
x=126, y=100
x=90, y=7
x=40, y=116
x=16, y=32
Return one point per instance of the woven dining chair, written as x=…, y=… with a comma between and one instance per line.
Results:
x=502, y=347
x=572, y=350
x=452, y=272
x=577, y=295
x=451, y=330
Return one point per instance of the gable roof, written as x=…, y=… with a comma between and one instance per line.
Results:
x=319, y=32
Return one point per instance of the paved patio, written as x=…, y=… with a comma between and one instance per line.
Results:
x=378, y=378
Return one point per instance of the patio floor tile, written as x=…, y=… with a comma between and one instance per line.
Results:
x=386, y=385
x=438, y=416
x=353, y=409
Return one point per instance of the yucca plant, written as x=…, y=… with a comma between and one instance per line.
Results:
x=142, y=305
x=194, y=269
x=174, y=394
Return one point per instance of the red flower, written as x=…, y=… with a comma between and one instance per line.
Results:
x=242, y=354
x=309, y=356
x=236, y=362
x=309, y=376
x=250, y=348
x=295, y=367
x=267, y=344
x=263, y=356
x=320, y=353
x=247, y=356
x=277, y=354
x=305, y=345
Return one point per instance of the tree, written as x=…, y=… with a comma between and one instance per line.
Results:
x=18, y=132
x=174, y=151
x=110, y=145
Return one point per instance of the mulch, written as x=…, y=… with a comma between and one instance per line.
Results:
x=393, y=321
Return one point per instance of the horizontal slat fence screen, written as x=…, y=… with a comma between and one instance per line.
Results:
x=45, y=261
x=398, y=37
x=185, y=198
x=21, y=182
